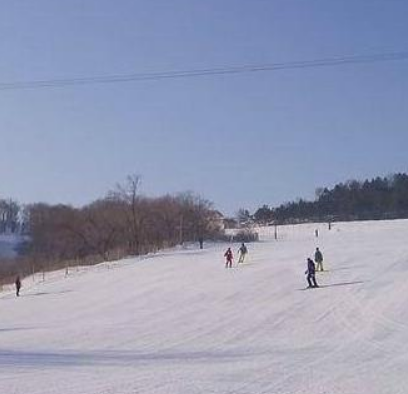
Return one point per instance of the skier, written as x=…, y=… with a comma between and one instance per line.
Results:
x=310, y=272
x=18, y=285
x=242, y=253
x=318, y=258
x=228, y=258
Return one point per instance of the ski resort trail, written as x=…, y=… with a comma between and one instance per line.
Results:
x=180, y=322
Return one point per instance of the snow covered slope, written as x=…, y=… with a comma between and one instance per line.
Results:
x=179, y=322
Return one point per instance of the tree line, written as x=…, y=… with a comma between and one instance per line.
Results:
x=123, y=223
x=378, y=198
x=10, y=220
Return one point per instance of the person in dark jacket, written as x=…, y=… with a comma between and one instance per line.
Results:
x=18, y=285
x=318, y=258
x=310, y=272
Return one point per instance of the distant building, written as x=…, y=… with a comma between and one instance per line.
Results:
x=217, y=221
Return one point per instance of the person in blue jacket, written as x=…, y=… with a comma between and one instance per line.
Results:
x=310, y=272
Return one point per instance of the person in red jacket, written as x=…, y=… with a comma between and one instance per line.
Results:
x=228, y=258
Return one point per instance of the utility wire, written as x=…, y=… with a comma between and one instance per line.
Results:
x=156, y=76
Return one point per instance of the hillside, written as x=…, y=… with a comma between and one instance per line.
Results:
x=179, y=322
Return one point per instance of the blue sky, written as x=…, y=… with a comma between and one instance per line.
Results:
x=239, y=140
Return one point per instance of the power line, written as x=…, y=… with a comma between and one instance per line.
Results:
x=173, y=74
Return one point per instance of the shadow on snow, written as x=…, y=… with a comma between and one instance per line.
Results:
x=336, y=284
x=21, y=359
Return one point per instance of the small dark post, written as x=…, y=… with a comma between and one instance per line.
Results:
x=181, y=230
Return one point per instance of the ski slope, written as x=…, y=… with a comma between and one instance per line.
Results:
x=179, y=322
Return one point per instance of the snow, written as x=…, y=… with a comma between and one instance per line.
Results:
x=179, y=322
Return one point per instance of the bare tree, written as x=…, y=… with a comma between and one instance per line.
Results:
x=128, y=193
x=122, y=223
x=9, y=215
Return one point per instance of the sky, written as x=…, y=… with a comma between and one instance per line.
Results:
x=241, y=140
